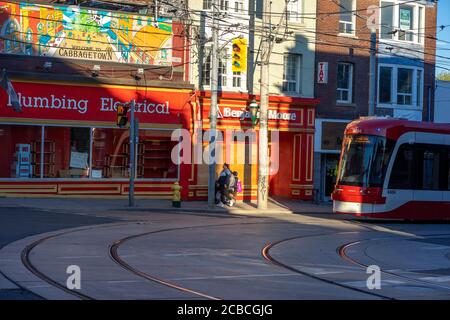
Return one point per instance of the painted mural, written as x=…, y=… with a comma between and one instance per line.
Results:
x=72, y=32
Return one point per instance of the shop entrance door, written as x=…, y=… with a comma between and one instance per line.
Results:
x=331, y=166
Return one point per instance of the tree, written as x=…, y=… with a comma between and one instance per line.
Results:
x=445, y=76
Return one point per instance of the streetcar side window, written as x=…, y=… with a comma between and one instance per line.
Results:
x=448, y=168
x=429, y=158
x=402, y=176
x=421, y=167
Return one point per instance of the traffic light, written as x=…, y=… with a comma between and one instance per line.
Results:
x=122, y=119
x=239, y=55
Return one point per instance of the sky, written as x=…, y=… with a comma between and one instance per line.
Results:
x=443, y=48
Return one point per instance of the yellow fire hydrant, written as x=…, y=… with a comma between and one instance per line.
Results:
x=176, y=195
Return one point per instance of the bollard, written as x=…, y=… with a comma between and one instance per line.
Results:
x=176, y=195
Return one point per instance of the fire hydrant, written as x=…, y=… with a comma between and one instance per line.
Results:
x=176, y=195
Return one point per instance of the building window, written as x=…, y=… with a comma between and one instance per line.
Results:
x=405, y=86
x=403, y=22
x=406, y=22
x=207, y=4
x=294, y=10
x=206, y=70
x=346, y=16
x=238, y=6
x=223, y=70
x=224, y=5
x=227, y=79
x=385, y=91
x=291, y=73
x=344, y=83
x=398, y=85
x=237, y=80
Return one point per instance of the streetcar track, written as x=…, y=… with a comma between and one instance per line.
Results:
x=265, y=253
x=341, y=250
x=113, y=252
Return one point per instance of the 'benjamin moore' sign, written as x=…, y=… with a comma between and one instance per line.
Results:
x=80, y=33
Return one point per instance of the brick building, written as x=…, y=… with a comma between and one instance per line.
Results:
x=405, y=62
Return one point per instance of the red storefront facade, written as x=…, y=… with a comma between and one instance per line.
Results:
x=65, y=141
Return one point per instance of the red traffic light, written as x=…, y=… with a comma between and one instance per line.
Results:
x=122, y=118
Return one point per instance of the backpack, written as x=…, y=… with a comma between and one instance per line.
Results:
x=238, y=186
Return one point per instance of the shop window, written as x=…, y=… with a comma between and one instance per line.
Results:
x=110, y=154
x=66, y=152
x=154, y=155
x=20, y=146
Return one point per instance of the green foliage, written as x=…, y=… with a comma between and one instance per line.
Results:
x=444, y=76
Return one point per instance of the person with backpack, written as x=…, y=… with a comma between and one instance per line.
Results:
x=222, y=185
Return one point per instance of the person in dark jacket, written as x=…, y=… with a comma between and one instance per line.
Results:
x=223, y=183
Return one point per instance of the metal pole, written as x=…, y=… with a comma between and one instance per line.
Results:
x=213, y=108
x=132, y=155
x=372, y=73
x=263, y=167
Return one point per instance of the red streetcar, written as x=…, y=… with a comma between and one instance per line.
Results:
x=395, y=169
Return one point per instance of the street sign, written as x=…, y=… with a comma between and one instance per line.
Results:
x=322, y=72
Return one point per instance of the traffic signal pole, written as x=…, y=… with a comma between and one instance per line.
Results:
x=213, y=107
x=134, y=133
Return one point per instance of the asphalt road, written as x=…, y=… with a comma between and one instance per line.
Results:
x=165, y=255
x=17, y=223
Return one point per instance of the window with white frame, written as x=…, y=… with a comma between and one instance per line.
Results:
x=400, y=85
x=206, y=68
x=294, y=10
x=224, y=5
x=344, y=89
x=207, y=4
x=403, y=21
x=223, y=69
x=227, y=80
x=347, y=17
x=239, y=6
x=291, y=73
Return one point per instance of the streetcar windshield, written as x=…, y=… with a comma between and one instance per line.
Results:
x=364, y=160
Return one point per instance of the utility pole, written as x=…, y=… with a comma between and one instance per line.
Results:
x=263, y=165
x=213, y=107
x=372, y=72
x=134, y=133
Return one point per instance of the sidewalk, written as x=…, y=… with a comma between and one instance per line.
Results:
x=74, y=204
